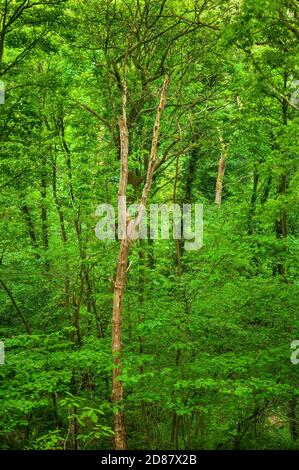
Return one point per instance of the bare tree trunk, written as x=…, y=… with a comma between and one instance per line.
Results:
x=221, y=169
x=292, y=419
x=9, y=293
x=174, y=199
x=57, y=203
x=3, y=29
x=117, y=346
x=29, y=222
x=282, y=226
x=43, y=209
x=122, y=264
x=120, y=440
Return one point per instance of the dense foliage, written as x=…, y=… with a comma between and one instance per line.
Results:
x=206, y=333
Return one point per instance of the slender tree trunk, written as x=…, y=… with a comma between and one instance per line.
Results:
x=117, y=346
x=3, y=29
x=293, y=419
x=28, y=220
x=93, y=306
x=120, y=439
x=77, y=223
x=122, y=264
x=178, y=244
x=57, y=203
x=43, y=208
x=22, y=317
x=253, y=201
x=282, y=226
x=190, y=174
x=221, y=169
